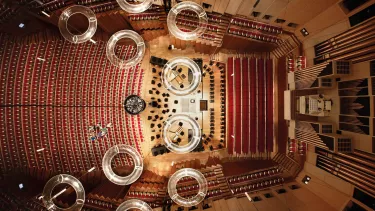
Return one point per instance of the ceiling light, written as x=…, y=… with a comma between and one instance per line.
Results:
x=125, y=34
x=304, y=32
x=44, y=13
x=191, y=201
x=21, y=25
x=107, y=168
x=306, y=179
x=134, y=204
x=63, y=24
x=135, y=8
x=47, y=197
x=183, y=6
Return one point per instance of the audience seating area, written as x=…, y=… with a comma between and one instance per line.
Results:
x=264, y=184
x=256, y=25
x=253, y=35
x=250, y=105
x=217, y=185
x=151, y=188
x=55, y=91
x=48, y=5
x=250, y=177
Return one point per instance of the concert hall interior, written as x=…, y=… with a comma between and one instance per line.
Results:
x=179, y=105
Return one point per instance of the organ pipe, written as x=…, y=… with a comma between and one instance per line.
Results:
x=364, y=155
x=352, y=164
x=350, y=40
x=353, y=48
x=362, y=175
x=357, y=53
x=352, y=181
x=347, y=33
x=372, y=165
x=364, y=58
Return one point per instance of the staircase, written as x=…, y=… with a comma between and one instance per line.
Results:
x=287, y=164
x=287, y=47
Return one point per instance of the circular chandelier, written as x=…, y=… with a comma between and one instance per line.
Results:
x=111, y=153
x=187, y=5
x=63, y=24
x=134, y=204
x=63, y=179
x=195, y=137
x=170, y=76
x=187, y=172
x=134, y=104
x=123, y=34
x=135, y=8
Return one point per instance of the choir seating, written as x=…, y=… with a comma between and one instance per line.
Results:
x=250, y=105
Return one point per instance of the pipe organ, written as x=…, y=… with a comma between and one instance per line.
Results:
x=321, y=135
x=356, y=44
x=357, y=168
x=320, y=75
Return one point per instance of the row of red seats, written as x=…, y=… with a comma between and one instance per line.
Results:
x=55, y=91
x=256, y=25
x=150, y=195
x=250, y=97
x=196, y=187
x=204, y=36
x=211, y=17
x=193, y=23
x=215, y=18
x=99, y=202
x=230, y=103
x=258, y=186
x=98, y=8
x=269, y=105
x=144, y=16
x=254, y=35
x=254, y=176
x=50, y=6
x=214, y=193
x=190, y=179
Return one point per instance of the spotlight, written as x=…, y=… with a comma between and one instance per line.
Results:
x=20, y=186
x=306, y=179
x=46, y=14
x=304, y=32
x=21, y=25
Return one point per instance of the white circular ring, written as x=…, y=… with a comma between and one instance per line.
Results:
x=167, y=71
x=111, y=44
x=134, y=204
x=187, y=172
x=60, y=179
x=135, y=8
x=111, y=153
x=196, y=136
x=187, y=5
x=63, y=24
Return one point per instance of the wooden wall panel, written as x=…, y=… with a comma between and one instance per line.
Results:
x=233, y=7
